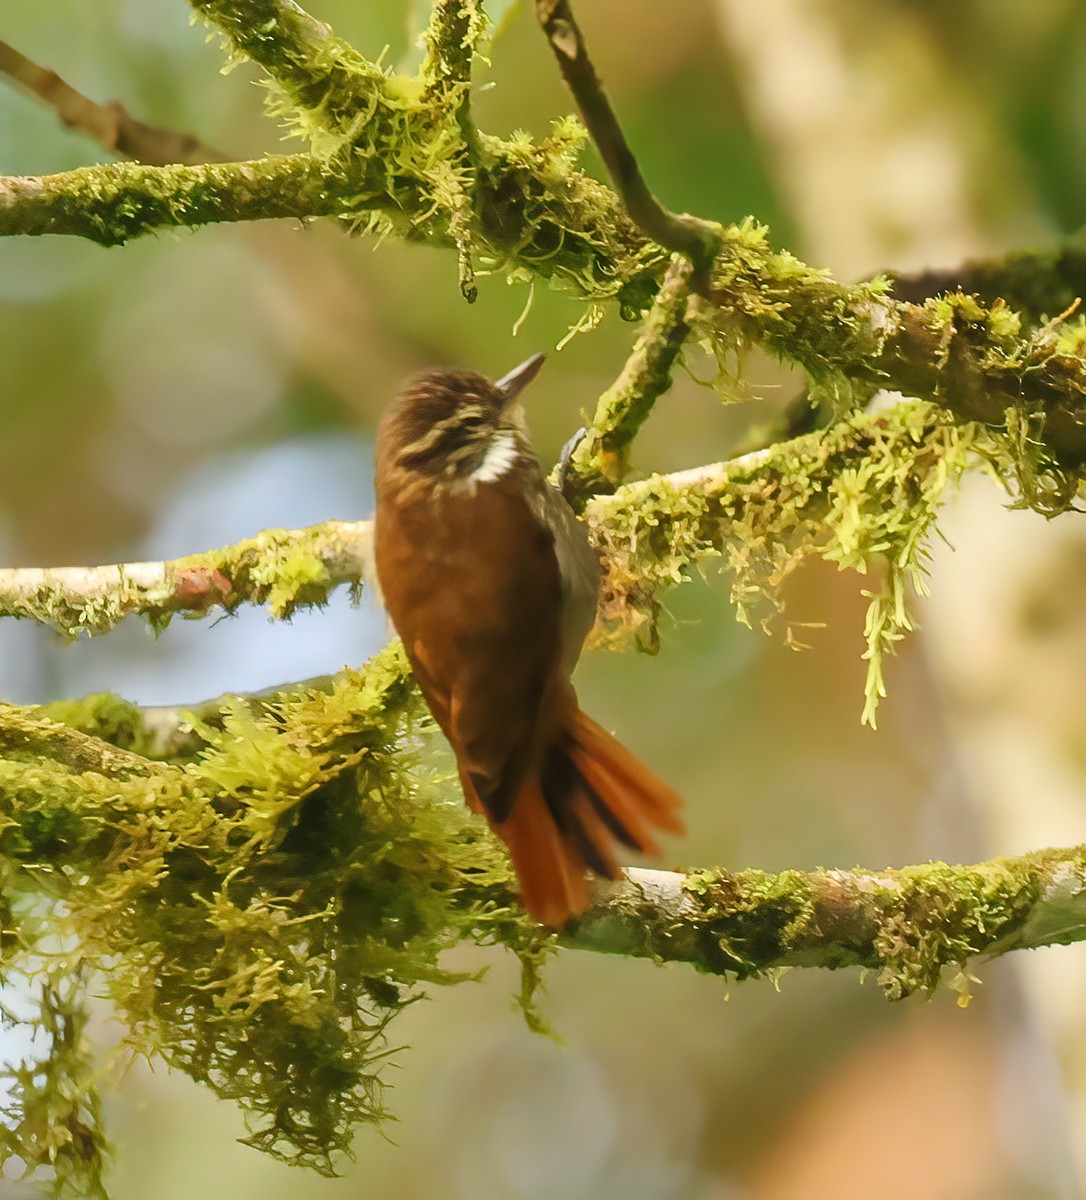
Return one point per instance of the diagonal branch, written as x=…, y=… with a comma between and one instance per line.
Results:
x=600, y=460
x=110, y=125
x=691, y=236
x=319, y=71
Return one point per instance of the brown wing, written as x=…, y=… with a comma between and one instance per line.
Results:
x=473, y=586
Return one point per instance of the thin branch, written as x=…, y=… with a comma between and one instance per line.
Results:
x=908, y=924
x=697, y=239
x=451, y=41
x=600, y=461
x=109, y=125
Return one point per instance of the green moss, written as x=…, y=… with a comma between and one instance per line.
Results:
x=755, y=917
x=916, y=927
x=261, y=914
x=935, y=916
x=862, y=494
x=106, y=716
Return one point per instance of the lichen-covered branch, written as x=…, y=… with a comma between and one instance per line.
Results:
x=261, y=911
x=110, y=125
x=909, y=925
x=267, y=906
x=600, y=461
x=976, y=360
x=115, y=202
x=283, y=568
x=862, y=494
x=401, y=154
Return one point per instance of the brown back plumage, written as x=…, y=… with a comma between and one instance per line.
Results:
x=491, y=584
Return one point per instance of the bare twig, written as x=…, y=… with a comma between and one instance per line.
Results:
x=109, y=125
x=691, y=236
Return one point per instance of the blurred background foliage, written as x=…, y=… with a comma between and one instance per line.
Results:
x=188, y=390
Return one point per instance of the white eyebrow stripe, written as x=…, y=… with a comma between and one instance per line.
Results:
x=501, y=456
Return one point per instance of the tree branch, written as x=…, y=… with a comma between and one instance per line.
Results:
x=862, y=494
x=691, y=236
x=600, y=460
x=908, y=924
x=107, y=124
x=320, y=72
x=116, y=202
x=283, y=568
x=1040, y=284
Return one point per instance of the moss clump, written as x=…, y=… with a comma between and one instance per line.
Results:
x=257, y=915
x=936, y=916
x=106, y=716
x=862, y=494
x=755, y=917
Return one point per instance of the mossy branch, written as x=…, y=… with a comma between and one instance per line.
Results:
x=916, y=927
x=320, y=72
x=283, y=568
x=261, y=911
x=600, y=460
x=282, y=879
x=400, y=153
x=862, y=494
x=1039, y=284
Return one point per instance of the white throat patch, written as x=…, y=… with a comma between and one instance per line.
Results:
x=501, y=456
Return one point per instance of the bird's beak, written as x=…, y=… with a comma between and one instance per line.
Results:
x=510, y=386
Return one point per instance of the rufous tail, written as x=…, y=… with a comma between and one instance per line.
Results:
x=590, y=796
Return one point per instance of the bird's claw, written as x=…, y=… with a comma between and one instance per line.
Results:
x=565, y=480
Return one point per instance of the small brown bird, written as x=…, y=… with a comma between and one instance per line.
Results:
x=491, y=584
